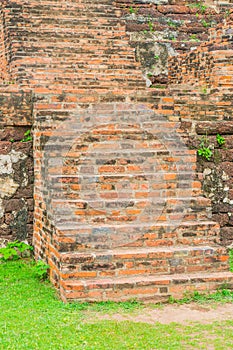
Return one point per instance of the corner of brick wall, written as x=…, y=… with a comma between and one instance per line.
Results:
x=16, y=157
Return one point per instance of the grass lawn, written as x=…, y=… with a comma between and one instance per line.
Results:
x=33, y=318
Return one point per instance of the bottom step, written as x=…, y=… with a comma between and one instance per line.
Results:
x=144, y=288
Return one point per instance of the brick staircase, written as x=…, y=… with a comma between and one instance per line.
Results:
x=118, y=209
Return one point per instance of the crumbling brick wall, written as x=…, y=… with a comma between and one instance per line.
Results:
x=160, y=29
x=167, y=37
x=16, y=158
x=201, y=85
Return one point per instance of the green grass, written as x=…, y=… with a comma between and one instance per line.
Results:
x=220, y=296
x=32, y=317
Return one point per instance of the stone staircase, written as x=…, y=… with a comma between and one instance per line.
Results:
x=118, y=208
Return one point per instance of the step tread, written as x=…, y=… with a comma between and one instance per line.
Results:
x=142, y=250
x=70, y=228
x=153, y=279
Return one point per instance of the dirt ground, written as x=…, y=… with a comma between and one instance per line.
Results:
x=182, y=314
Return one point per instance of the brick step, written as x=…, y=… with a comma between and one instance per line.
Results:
x=73, y=4
x=108, y=20
x=144, y=288
x=94, y=75
x=107, y=145
x=154, y=185
x=75, y=62
x=143, y=261
x=149, y=208
x=83, y=237
x=62, y=31
x=66, y=14
x=72, y=49
x=147, y=124
x=90, y=81
x=87, y=96
x=88, y=85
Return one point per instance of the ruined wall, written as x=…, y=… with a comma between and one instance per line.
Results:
x=160, y=29
x=202, y=85
x=194, y=84
x=16, y=159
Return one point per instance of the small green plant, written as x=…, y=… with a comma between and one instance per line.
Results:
x=194, y=37
x=227, y=13
x=132, y=10
x=156, y=57
x=171, y=37
x=14, y=250
x=158, y=86
x=204, y=149
x=151, y=26
x=220, y=140
x=27, y=136
x=204, y=90
x=203, y=8
x=41, y=270
x=205, y=152
x=205, y=24
x=12, y=140
x=8, y=254
x=199, y=6
x=231, y=259
x=10, y=82
x=172, y=23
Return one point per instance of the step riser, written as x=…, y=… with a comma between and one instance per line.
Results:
x=154, y=291
x=88, y=238
x=156, y=263
x=90, y=217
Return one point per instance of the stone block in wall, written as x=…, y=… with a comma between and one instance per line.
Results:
x=16, y=182
x=227, y=236
x=16, y=107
